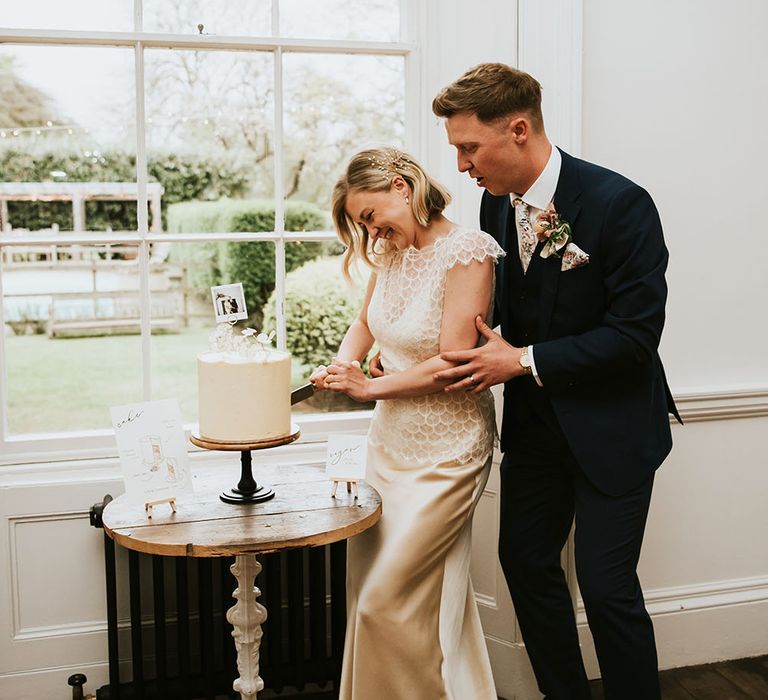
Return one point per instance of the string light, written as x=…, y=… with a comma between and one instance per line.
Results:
x=70, y=129
x=49, y=126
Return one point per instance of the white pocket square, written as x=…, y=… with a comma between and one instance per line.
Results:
x=573, y=257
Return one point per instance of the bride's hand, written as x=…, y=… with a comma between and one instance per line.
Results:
x=318, y=376
x=348, y=378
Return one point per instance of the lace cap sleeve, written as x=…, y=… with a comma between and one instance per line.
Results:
x=466, y=245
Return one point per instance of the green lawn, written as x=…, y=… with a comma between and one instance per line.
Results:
x=64, y=384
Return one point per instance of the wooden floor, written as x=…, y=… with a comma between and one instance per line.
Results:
x=743, y=679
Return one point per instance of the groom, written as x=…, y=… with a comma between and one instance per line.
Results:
x=580, y=299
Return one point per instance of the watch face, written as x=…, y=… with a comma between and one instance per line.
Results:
x=525, y=360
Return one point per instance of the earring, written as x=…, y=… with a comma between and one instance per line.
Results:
x=407, y=201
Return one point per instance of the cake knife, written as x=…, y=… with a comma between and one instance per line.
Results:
x=302, y=393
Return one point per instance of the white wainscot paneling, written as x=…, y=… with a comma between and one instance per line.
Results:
x=511, y=668
x=53, y=620
x=50, y=596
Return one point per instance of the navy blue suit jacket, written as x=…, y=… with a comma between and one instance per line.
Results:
x=599, y=325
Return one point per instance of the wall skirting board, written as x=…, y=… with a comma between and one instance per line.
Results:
x=701, y=623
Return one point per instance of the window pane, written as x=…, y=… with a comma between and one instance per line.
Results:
x=67, y=138
x=210, y=119
x=233, y=17
x=319, y=307
x=335, y=105
x=366, y=20
x=73, y=312
x=183, y=316
x=84, y=15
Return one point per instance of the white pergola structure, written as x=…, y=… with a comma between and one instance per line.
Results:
x=78, y=193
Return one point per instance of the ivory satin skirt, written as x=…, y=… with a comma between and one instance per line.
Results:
x=413, y=629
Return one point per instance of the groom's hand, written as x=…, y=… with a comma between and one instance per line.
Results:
x=375, y=368
x=495, y=362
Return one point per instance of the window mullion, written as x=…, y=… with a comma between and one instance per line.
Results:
x=4, y=368
x=138, y=15
x=143, y=224
x=197, y=42
x=275, y=18
x=279, y=203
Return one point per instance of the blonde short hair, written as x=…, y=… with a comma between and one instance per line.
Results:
x=373, y=170
x=492, y=91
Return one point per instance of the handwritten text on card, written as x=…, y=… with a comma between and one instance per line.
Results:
x=347, y=456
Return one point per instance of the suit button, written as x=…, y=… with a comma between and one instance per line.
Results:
x=523, y=297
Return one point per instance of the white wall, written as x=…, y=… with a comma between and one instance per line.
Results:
x=674, y=96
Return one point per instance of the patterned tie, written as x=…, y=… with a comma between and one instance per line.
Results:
x=525, y=231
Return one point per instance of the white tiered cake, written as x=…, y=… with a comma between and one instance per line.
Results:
x=245, y=395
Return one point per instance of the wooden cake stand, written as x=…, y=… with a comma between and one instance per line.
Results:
x=247, y=490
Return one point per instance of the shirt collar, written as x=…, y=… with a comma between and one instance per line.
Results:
x=542, y=192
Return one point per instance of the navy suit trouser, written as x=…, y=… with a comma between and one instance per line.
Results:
x=542, y=491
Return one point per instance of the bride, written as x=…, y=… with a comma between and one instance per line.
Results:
x=413, y=629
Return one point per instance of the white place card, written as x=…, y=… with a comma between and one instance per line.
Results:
x=347, y=457
x=152, y=449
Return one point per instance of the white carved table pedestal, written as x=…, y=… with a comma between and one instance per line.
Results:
x=246, y=617
x=301, y=514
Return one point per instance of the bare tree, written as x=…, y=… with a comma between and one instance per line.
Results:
x=21, y=104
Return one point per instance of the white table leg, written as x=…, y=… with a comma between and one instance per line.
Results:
x=246, y=617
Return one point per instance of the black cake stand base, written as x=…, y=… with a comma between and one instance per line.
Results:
x=247, y=490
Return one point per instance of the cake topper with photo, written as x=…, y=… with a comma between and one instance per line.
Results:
x=229, y=302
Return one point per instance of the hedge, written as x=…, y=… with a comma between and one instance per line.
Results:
x=182, y=177
x=252, y=263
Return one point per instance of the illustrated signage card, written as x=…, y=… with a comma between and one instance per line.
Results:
x=152, y=449
x=347, y=456
x=229, y=302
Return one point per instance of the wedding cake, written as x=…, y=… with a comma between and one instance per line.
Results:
x=244, y=388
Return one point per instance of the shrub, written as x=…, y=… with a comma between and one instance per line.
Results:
x=251, y=262
x=319, y=307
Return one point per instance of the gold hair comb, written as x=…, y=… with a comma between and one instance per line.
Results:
x=390, y=164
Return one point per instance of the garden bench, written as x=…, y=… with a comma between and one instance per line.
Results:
x=111, y=312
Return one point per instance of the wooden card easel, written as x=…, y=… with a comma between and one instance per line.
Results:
x=351, y=485
x=170, y=501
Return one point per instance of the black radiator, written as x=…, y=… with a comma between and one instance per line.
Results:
x=178, y=645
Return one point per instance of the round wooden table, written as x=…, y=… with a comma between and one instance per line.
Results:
x=302, y=514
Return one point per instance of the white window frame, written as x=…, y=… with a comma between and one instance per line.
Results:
x=49, y=447
x=439, y=40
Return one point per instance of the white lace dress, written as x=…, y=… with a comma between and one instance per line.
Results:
x=413, y=629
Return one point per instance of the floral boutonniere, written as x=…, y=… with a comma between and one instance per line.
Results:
x=553, y=232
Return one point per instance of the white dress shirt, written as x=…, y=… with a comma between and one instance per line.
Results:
x=538, y=198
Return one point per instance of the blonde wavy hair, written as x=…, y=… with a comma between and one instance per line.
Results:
x=373, y=170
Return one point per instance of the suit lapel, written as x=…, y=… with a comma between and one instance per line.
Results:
x=567, y=205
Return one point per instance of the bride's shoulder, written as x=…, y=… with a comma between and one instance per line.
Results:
x=464, y=244
x=472, y=243
x=472, y=233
